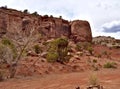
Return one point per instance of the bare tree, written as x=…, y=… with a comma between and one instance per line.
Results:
x=15, y=63
x=6, y=54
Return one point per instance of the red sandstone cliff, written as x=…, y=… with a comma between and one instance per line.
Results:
x=13, y=22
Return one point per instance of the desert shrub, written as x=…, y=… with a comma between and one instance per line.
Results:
x=93, y=80
x=94, y=61
x=116, y=46
x=45, y=43
x=6, y=57
x=52, y=46
x=83, y=45
x=45, y=16
x=59, y=47
x=4, y=7
x=52, y=57
x=8, y=43
x=95, y=67
x=59, y=43
x=35, y=13
x=78, y=47
x=51, y=16
x=37, y=49
x=25, y=11
x=62, y=49
x=62, y=54
x=90, y=49
x=110, y=65
x=104, y=52
x=62, y=42
x=6, y=54
x=60, y=17
x=86, y=45
x=99, y=55
x=69, y=48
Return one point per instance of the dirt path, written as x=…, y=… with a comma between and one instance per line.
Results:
x=109, y=78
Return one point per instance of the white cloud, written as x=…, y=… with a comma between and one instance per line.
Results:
x=111, y=24
x=111, y=27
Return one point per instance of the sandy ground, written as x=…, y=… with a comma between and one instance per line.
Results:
x=108, y=78
x=60, y=76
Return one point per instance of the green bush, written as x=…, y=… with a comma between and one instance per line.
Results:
x=78, y=47
x=62, y=49
x=99, y=55
x=59, y=47
x=94, y=61
x=62, y=42
x=86, y=45
x=35, y=13
x=6, y=54
x=90, y=49
x=83, y=45
x=52, y=57
x=8, y=43
x=25, y=11
x=37, y=49
x=45, y=16
x=110, y=65
x=62, y=54
x=93, y=80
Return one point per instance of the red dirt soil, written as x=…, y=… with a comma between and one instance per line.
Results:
x=44, y=75
x=108, y=78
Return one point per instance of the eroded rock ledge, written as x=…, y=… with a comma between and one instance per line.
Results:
x=13, y=21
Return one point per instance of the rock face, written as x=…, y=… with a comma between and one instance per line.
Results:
x=81, y=31
x=17, y=22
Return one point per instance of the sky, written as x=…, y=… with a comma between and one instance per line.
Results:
x=103, y=15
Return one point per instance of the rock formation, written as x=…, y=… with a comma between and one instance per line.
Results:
x=81, y=31
x=14, y=22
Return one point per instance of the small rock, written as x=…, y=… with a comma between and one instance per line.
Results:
x=43, y=54
x=78, y=88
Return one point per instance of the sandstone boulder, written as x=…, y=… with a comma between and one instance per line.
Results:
x=81, y=31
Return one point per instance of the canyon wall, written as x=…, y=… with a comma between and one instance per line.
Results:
x=18, y=22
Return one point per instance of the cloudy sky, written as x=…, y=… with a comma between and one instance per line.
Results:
x=103, y=15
